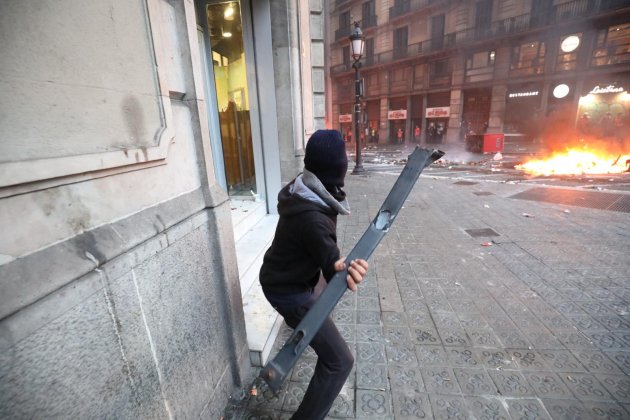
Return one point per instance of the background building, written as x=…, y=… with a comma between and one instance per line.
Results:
x=143, y=144
x=485, y=65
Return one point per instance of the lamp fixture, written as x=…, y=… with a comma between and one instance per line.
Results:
x=357, y=41
x=228, y=14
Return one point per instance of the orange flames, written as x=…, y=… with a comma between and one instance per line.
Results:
x=576, y=161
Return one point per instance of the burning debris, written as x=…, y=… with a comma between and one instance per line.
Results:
x=575, y=161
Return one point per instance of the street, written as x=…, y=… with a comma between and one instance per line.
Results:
x=494, y=295
x=462, y=165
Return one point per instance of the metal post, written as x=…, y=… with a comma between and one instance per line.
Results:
x=356, y=134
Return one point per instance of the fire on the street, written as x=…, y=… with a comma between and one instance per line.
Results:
x=577, y=161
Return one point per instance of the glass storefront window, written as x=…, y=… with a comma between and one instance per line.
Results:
x=228, y=60
x=612, y=46
x=528, y=59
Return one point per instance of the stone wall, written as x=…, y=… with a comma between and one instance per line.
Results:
x=119, y=292
x=146, y=334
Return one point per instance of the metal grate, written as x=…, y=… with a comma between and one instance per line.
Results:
x=578, y=198
x=465, y=183
x=478, y=233
x=483, y=193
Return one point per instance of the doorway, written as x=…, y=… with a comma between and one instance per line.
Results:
x=228, y=60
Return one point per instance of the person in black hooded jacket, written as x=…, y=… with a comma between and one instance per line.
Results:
x=304, y=256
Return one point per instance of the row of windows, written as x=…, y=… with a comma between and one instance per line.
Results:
x=611, y=46
x=541, y=12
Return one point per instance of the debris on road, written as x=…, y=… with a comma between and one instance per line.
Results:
x=486, y=244
x=528, y=215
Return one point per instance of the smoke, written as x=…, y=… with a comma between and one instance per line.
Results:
x=562, y=130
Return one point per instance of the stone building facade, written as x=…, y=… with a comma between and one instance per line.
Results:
x=134, y=137
x=480, y=66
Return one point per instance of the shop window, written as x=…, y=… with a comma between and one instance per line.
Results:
x=397, y=103
x=521, y=109
x=528, y=59
x=612, y=46
x=346, y=126
x=568, y=52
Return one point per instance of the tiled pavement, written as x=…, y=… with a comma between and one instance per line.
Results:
x=535, y=326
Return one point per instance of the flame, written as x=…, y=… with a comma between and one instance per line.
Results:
x=577, y=162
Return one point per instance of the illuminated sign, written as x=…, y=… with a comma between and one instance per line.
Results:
x=438, y=112
x=607, y=89
x=345, y=118
x=570, y=43
x=522, y=94
x=561, y=91
x=400, y=114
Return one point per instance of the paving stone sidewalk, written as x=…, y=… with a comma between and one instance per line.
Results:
x=534, y=326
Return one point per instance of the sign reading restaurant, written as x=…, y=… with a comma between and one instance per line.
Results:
x=400, y=114
x=522, y=94
x=345, y=118
x=438, y=112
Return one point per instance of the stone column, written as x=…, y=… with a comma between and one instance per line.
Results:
x=457, y=101
x=499, y=90
x=408, y=126
x=383, y=129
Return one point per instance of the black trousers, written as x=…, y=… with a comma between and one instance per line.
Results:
x=334, y=363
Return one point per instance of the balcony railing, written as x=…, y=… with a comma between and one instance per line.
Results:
x=514, y=25
x=401, y=52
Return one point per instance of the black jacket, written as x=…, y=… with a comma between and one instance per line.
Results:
x=305, y=241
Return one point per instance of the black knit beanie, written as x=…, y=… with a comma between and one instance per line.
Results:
x=326, y=157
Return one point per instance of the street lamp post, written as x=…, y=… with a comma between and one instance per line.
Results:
x=357, y=41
